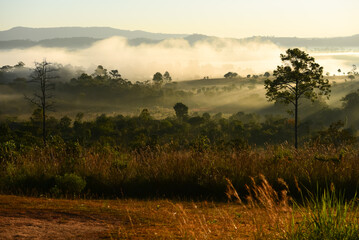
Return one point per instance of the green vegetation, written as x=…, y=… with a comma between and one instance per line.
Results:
x=167, y=171
x=327, y=216
x=188, y=153
x=239, y=131
x=298, y=78
x=324, y=215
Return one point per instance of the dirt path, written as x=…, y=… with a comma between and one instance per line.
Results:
x=42, y=218
x=49, y=225
x=32, y=218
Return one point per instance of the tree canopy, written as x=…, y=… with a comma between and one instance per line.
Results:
x=181, y=110
x=299, y=77
x=157, y=77
x=230, y=75
x=167, y=77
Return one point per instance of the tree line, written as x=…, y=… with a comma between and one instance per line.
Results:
x=300, y=77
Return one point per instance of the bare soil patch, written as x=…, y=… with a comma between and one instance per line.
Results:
x=43, y=218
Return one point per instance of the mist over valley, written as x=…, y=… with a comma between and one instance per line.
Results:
x=138, y=55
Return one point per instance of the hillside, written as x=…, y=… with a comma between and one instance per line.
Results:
x=37, y=34
x=82, y=37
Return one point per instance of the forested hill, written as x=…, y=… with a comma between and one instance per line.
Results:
x=37, y=34
x=337, y=42
x=82, y=37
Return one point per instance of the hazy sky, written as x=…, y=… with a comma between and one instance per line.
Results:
x=225, y=18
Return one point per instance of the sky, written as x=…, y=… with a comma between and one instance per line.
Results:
x=222, y=18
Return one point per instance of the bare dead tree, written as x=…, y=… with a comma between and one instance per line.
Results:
x=42, y=98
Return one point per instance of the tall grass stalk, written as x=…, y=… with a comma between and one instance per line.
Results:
x=270, y=211
x=326, y=216
x=172, y=173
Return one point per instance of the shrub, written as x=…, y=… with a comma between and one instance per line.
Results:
x=69, y=184
x=8, y=151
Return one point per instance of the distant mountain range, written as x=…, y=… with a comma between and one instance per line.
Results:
x=38, y=34
x=82, y=37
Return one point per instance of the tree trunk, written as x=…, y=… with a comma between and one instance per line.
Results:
x=43, y=88
x=43, y=126
x=296, y=124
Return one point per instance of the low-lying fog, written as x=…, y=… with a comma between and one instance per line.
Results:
x=183, y=60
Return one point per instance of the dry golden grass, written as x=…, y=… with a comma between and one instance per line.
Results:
x=263, y=214
x=271, y=213
x=167, y=172
x=261, y=209
x=130, y=219
x=134, y=219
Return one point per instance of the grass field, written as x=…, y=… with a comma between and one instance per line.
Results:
x=42, y=218
x=176, y=182
x=266, y=214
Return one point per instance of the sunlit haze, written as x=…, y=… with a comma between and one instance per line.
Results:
x=183, y=58
x=223, y=18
